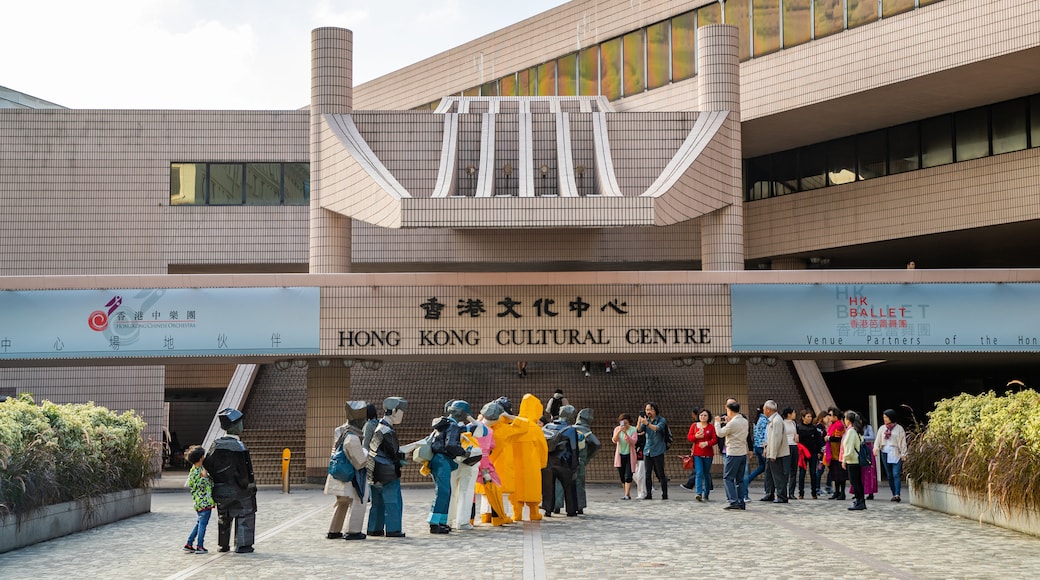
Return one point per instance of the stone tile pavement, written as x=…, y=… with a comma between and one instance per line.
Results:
x=615, y=539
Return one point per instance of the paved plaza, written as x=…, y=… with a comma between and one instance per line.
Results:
x=677, y=538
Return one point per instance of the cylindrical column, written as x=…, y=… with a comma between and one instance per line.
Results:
x=718, y=63
x=332, y=91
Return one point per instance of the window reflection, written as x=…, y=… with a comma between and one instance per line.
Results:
x=588, y=71
x=872, y=155
x=738, y=14
x=972, y=134
x=547, y=79
x=797, y=22
x=684, y=46
x=634, y=76
x=489, y=89
x=828, y=17
x=297, y=183
x=658, y=50
x=862, y=12
x=225, y=184
x=239, y=183
x=841, y=161
x=610, y=69
x=767, y=26
x=187, y=183
x=893, y=7
x=567, y=75
x=1034, y=116
x=1008, y=121
x=263, y=183
x=710, y=14
x=525, y=83
x=507, y=86
x=813, y=165
x=785, y=172
x=936, y=141
x=904, y=151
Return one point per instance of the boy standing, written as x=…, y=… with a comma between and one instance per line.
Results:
x=202, y=494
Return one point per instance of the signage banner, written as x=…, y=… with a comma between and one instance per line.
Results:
x=508, y=320
x=885, y=317
x=57, y=324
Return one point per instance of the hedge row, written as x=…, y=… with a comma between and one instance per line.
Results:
x=986, y=444
x=55, y=453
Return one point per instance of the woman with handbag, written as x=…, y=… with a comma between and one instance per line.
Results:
x=832, y=453
x=702, y=435
x=852, y=450
x=625, y=437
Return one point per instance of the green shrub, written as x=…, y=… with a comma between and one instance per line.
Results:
x=55, y=453
x=986, y=444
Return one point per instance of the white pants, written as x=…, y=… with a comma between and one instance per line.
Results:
x=463, y=484
x=639, y=478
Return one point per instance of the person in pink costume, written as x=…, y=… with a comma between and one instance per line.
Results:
x=530, y=455
x=489, y=485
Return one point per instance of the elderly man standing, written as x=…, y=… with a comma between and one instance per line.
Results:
x=735, y=430
x=776, y=453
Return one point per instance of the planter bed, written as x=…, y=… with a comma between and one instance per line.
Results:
x=951, y=500
x=67, y=518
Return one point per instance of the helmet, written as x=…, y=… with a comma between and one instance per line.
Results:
x=229, y=417
x=459, y=410
x=568, y=413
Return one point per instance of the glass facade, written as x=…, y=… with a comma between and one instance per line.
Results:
x=658, y=55
x=798, y=24
x=546, y=79
x=588, y=71
x=766, y=15
x=738, y=13
x=610, y=69
x=890, y=8
x=240, y=183
x=684, y=46
x=862, y=12
x=991, y=130
x=632, y=58
x=567, y=75
x=828, y=17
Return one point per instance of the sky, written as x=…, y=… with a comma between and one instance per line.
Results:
x=221, y=54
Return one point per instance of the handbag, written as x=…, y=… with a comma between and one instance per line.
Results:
x=340, y=467
x=687, y=461
x=864, y=455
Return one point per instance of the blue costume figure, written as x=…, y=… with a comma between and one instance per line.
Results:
x=446, y=447
x=562, y=440
x=587, y=448
x=234, y=487
x=384, y=472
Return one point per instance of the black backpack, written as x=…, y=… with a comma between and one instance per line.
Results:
x=667, y=436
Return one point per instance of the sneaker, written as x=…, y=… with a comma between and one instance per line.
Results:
x=375, y=532
x=201, y=550
x=354, y=536
x=625, y=497
x=189, y=548
x=608, y=369
x=394, y=534
x=334, y=535
x=585, y=369
x=698, y=497
x=733, y=506
x=686, y=487
x=587, y=373
x=224, y=549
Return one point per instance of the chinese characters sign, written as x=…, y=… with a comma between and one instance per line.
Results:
x=57, y=324
x=885, y=317
x=525, y=319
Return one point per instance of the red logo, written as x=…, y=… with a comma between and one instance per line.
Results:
x=98, y=320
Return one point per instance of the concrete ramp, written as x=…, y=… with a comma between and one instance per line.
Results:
x=815, y=387
x=235, y=396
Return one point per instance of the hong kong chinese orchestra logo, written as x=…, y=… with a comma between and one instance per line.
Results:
x=98, y=320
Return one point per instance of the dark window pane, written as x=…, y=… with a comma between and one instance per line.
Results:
x=841, y=161
x=547, y=79
x=507, y=86
x=610, y=69
x=489, y=89
x=567, y=75
x=785, y=172
x=1009, y=126
x=870, y=148
x=297, y=183
x=829, y=17
x=635, y=71
x=893, y=7
x=225, y=184
x=588, y=71
x=812, y=165
x=684, y=46
x=767, y=26
x=738, y=13
x=903, y=149
x=936, y=141
x=758, y=178
x=1034, y=118
x=658, y=68
x=187, y=184
x=263, y=183
x=797, y=22
x=972, y=134
x=862, y=12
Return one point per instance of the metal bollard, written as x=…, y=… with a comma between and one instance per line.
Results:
x=286, y=455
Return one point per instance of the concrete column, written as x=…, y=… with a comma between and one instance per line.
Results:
x=723, y=380
x=327, y=389
x=718, y=73
x=332, y=91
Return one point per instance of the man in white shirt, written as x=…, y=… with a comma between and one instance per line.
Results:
x=776, y=452
x=735, y=430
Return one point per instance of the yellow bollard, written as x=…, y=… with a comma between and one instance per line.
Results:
x=286, y=455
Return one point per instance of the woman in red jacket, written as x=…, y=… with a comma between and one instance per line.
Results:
x=702, y=435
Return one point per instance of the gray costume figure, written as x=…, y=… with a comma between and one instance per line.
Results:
x=350, y=495
x=384, y=472
x=234, y=487
x=568, y=415
x=586, y=449
x=562, y=440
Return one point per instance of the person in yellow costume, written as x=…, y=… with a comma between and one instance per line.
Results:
x=489, y=485
x=501, y=458
x=530, y=454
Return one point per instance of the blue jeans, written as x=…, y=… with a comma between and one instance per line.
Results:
x=440, y=469
x=732, y=473
x=702, y=467
x=385, y=513
x=893, y=471
x=759, y=468
x=200, y=528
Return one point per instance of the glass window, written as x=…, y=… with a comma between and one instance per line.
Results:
x=567, y=75
x=1009, y=126
x=785, y=172
x=187, y=184
x=547, y=79
x=797, y=22
x=767, y=26
x=658, y=50
x=507, y=85
x=936, y=141
x=263, y=183
x=862, y=12
x=634, y=69
x=829, y=17
x=972, y=134
x=225, y=184
x=758, y=178
x=297, y=183
x=738, y=14
x=525, y=83
x=684, y=46
x=489, y=89
x=903, y=149
x=927, y=2
x=610, y=69
x=870, y=149
x=710, y=14
x=841, y=161
x=1034, y=120
x=893, y=7
x=812, y=165
x=471, y=92
x=588, y=71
